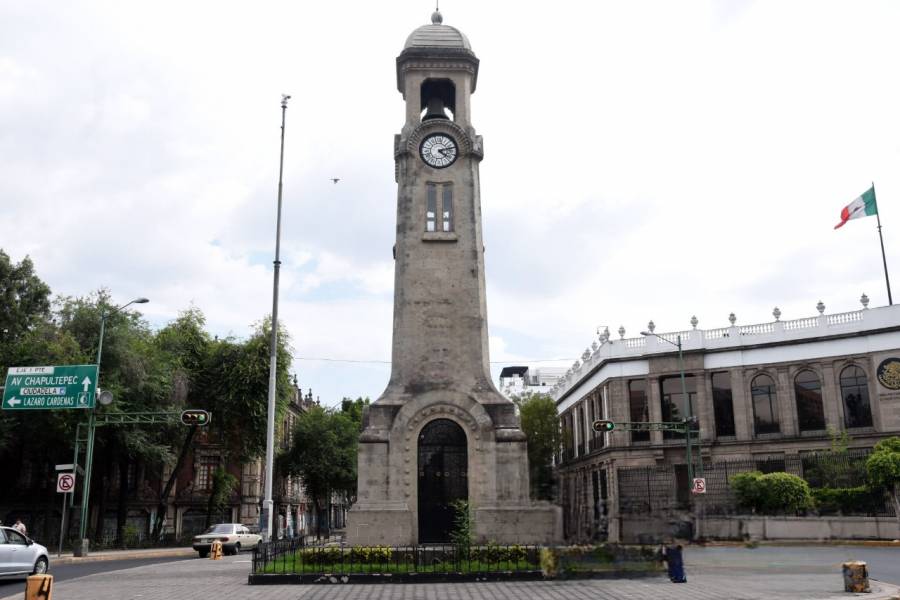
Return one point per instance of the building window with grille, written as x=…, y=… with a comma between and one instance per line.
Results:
x=439, y=207
x=765, y=405
x=810, y=412
x=639, y=408
x=206, y=468
x=855, y=394
x=723, y=406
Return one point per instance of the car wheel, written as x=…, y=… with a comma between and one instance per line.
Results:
x=203, y=553
x=40, y=566
x=237, y=549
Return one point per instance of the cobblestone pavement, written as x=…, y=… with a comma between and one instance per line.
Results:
x=227, y=579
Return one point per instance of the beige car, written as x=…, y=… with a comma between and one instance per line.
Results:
x=234, y=537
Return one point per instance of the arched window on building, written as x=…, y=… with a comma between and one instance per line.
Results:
x=855, y=395
x=765, y=405
x=810, y=412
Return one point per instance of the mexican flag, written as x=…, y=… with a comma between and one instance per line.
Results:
x=864, y=206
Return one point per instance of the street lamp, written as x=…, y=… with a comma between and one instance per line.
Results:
x=273, y=350
x=690, y=407
x=89, y=450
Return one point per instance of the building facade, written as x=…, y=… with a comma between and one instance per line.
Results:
x=771, y=396
x=521, y=380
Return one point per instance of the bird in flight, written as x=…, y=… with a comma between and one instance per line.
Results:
x=335, y=179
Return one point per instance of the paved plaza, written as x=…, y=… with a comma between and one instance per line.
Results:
x=227, y=579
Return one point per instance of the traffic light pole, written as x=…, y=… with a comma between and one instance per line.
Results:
x=192, y=417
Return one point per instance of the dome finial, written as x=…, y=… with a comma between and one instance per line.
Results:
x=436, y=17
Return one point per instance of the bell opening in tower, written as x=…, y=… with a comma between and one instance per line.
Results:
x=438, y=99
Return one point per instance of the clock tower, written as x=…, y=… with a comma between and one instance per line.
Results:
x=441, y=432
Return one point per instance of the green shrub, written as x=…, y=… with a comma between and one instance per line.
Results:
x=748, y=489
x=785, y=492
x=771, y=493
x=848, y=501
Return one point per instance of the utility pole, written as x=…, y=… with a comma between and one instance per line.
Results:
x=273, y=347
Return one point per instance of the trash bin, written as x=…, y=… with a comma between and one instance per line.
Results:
x=856, y=577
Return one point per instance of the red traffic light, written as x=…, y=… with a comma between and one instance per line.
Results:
x=602, y=425
x=195, y=416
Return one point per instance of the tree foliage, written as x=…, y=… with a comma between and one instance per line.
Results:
x=883, y=469
x=177, y=367
x=323, y=453
x=540, y=423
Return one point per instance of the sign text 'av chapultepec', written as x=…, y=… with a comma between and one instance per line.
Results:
x=48, y=388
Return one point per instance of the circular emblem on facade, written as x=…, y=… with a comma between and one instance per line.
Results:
x=888, y=373
x=438, y=150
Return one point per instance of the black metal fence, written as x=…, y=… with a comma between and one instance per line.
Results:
x=659, y=489
x=288, y=557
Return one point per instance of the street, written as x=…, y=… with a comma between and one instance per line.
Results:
x=66, y=572
x=808, y=573
x=883, y=562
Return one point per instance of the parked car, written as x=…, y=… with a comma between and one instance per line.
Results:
x=234, y=537
x=20, y=556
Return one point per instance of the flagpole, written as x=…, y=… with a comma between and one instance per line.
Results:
x=881, y=239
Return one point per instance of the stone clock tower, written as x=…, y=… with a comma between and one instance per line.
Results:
x=441, y=432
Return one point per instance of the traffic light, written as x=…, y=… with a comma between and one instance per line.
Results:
x=603, y=426
x=195, y=416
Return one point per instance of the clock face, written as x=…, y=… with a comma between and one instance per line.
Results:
x=438, y=150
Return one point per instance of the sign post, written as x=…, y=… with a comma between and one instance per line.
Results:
x=50, y=388
x=65, y=484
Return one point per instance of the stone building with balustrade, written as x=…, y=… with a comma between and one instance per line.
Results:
x=766, y=395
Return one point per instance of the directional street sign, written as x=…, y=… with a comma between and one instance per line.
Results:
x=49, y=388
x=65, y=483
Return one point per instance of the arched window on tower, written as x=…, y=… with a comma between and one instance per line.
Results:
x=438, y=99
x=765, y=405
x=808, y=390
x=855, y=394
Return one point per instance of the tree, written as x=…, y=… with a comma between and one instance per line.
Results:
x=235, y=380
x=540, y=422
x=883, y=469
x=323, y=454
x=24, y=302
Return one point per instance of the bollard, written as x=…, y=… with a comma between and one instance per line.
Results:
x=38, y=587
x=215, y=550
x=856, y=577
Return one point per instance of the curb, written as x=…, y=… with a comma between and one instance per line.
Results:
x=872, y=543
x=122, y=555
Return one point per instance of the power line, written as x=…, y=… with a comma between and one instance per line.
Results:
x=387, y=362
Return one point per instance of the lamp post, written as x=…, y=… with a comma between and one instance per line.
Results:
x=89, y=450
x=690, y=406
x=273, y=349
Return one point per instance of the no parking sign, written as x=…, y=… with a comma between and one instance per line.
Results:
x=65, y=483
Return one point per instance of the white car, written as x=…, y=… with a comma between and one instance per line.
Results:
x=234, y=537
x=20, y=556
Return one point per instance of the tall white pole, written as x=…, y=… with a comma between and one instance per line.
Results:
x=273, y=348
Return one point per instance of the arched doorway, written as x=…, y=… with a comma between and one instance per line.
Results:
x=443, y=478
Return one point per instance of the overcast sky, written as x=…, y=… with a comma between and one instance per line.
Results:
x=643, y=160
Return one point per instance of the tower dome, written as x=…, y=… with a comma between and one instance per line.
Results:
x=437, y=35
